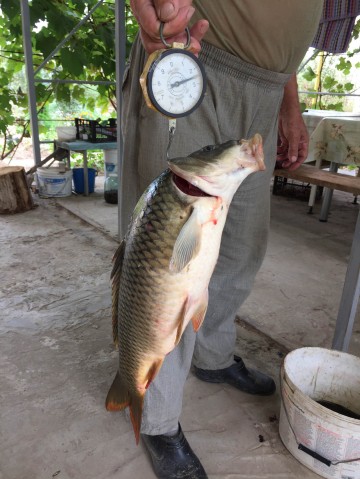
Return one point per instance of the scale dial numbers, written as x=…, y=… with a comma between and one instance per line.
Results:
x=176, y=83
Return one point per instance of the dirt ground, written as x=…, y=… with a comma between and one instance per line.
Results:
x=57, y=359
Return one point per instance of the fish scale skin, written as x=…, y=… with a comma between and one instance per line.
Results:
x=148, y=291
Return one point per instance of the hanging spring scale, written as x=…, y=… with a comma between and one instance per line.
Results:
x=173, y=82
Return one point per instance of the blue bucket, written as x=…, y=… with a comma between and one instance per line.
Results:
x=78, y=179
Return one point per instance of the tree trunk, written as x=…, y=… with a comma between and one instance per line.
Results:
x=15, y=196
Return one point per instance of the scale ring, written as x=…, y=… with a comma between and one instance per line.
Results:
x=162, y=38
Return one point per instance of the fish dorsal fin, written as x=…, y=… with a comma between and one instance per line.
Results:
x=115, y=278
x=187, y=244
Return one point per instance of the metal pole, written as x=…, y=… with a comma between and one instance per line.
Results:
x=350, y=296
x=120, y=51
x=327, y=196
x=75, y=82
x=25, y=15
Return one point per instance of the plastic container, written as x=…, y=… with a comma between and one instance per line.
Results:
x=111, y=189
x=326, y=441
x=95, y=131
x=53, y=182
x=78, y=178
x=111, y=159
x=66, y=133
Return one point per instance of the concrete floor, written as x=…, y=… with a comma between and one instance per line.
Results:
x=57, y=359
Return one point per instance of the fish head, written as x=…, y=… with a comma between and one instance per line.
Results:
x=218, y=170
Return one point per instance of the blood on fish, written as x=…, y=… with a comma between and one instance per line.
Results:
x=214, y=213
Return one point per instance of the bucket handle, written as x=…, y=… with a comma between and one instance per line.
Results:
x=315, y=455
x=303, y=448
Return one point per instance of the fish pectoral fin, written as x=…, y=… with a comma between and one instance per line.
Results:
x=200, y=312
x=118, y=397
x=115, y=277
x=154, y=369
x=187, y=244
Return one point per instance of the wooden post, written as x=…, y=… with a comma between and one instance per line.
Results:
x=15, y=195
x=321, y=59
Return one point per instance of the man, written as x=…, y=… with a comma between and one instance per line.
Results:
x=250, y=52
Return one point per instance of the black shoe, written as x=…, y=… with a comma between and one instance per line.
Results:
x=172, y=457
x=237, y=375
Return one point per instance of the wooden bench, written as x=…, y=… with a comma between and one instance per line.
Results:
x=328, y=179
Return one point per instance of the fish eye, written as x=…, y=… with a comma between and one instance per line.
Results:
x=209, y=148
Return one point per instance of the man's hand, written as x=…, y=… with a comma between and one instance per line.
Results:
x=293, y=139
x=175, y=14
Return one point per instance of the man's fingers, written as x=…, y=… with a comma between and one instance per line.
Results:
x=147, y=18
x=197, y=32
x=304, y=149
x=149, y=43
x=166, y=10
x=291, y=158
x=199, y=29
x=176, y=15
x=293, y=153
x=177, y=25
x=295, y=166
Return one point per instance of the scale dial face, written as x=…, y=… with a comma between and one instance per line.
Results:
x=176, y=83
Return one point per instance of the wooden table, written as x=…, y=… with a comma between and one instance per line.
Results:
x=334, y=138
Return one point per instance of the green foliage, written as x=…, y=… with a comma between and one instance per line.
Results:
x=329, y=83
x=356, y=31
x=88, y=55
x=302, y=106
x=337, y=106
x=95, y=160
x=334, y=71
x=344, y=65
x=309, y=74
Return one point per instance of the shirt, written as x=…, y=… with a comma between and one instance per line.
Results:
x=272, y=34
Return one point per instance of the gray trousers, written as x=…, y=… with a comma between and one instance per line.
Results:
x=241, y=100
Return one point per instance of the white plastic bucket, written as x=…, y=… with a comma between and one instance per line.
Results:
x=325, y=441
x=111, y=161
x=66, y=133
x=53, y=183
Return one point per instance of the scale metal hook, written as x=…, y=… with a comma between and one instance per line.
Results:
x=168, y=44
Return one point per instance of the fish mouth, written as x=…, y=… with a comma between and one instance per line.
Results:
x=186, y=187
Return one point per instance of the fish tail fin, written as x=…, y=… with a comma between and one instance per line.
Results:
x=136, y=408
x=119, y=397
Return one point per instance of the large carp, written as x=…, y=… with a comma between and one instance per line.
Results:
x=163, y=266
